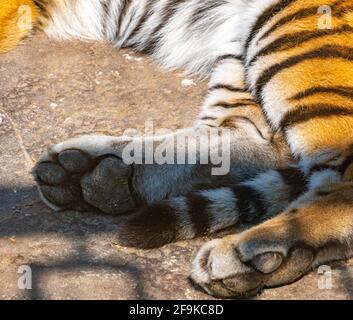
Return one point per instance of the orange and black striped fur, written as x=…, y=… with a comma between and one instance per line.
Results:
x=281, y=82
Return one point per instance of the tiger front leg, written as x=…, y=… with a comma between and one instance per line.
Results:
x=115, y=175
x=317, y=228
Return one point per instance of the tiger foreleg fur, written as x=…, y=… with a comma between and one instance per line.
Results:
x=89, y=173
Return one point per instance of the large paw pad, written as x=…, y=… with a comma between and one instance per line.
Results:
x=220, y=269
x=72, y=179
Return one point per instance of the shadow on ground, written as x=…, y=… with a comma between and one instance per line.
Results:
x=52, y=91
x=74, y=255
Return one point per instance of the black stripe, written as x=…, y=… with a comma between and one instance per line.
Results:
x=41, y=4
x=226, y=87
x=346, y=92
x=324, y=193
x=265, y=17
x=208, y=118
x=171, y=9
x=322, y=167
x=168, y=13
x=295, y=39
x=325, y=52
x=295, y=179
x=346, y=164
x=228, y=56
x=303, y=13
x=199, y=13
x=307, y=12
x=249, y=121
x=106, y=8
x=43, y=7
x=343, y=11
x=198, y=213
x=239, y=103
x=228, y=123
x=309, y=112
x=249, y=203
x=142, y=21
x=125, y=6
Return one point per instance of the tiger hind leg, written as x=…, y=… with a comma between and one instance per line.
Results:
x=304, y=86
x=316, y=228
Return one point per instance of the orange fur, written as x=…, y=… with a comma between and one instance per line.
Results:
x=316, y=72
x=17, y=18
x=325, y=131
x=333, y=133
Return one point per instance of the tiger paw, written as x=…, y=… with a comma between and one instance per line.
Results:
x=86, y=174
x=230, y=268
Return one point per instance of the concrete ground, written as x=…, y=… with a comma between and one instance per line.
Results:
x=53, y=91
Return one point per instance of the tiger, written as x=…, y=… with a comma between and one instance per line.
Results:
x=280, y=78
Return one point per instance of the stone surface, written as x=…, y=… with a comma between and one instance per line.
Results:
x=52, y=91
